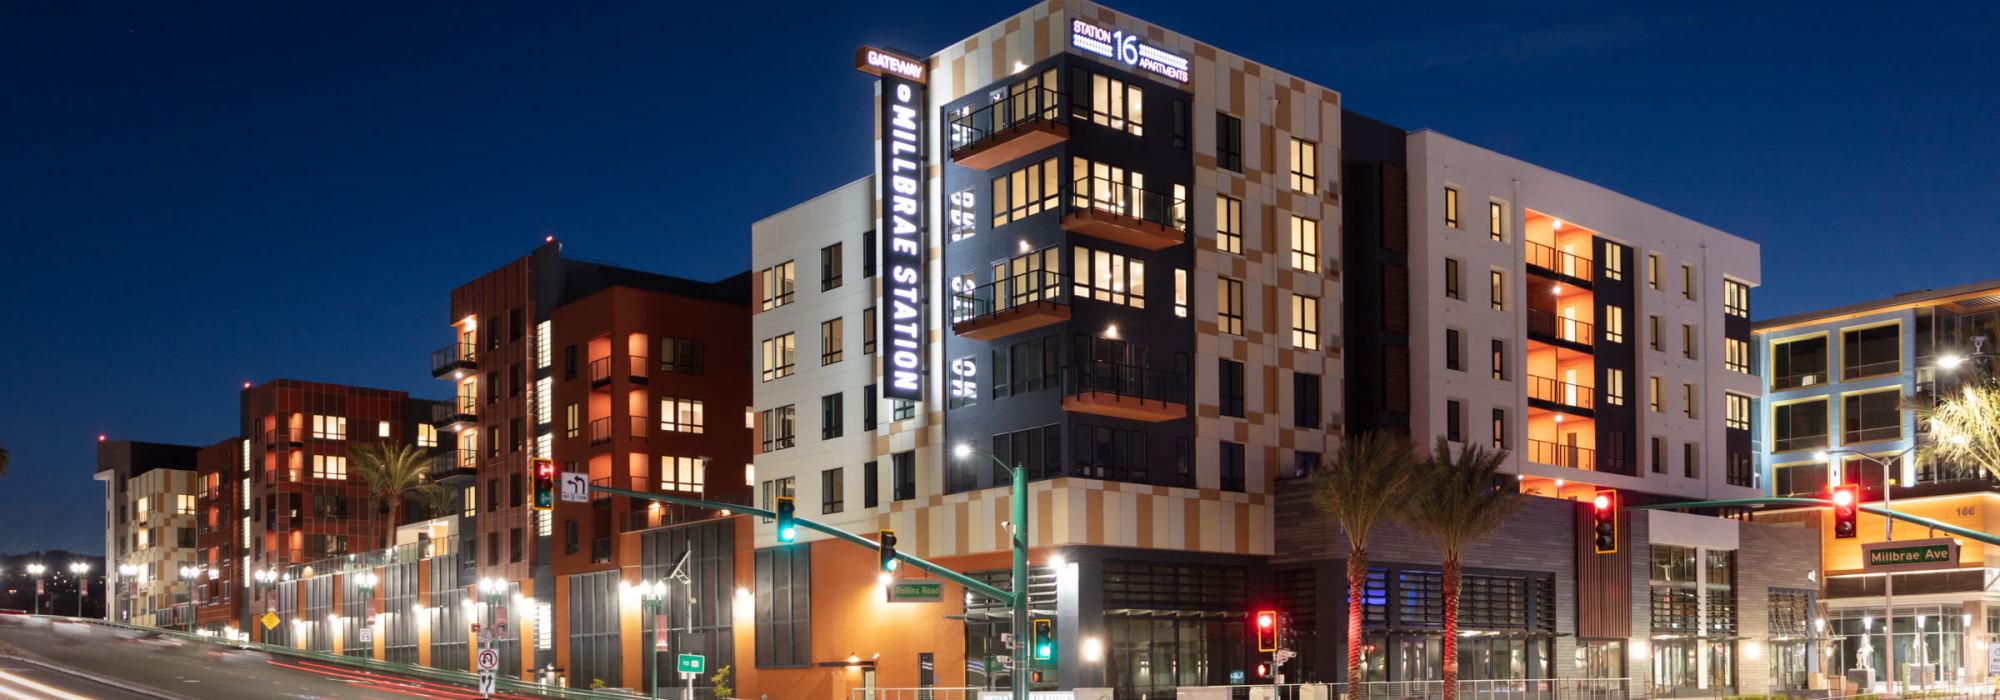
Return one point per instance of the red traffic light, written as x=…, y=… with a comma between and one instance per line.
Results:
x=1846, y=508
x=1263, y=670
x=1267, y=630
x=1843, y=497
x=1266, y=619
x=1602, y=502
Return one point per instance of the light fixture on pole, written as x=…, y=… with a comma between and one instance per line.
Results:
x=651, y=595
x=36, y=571
x=1019, y=540
x=188, y=575
x=79, y=568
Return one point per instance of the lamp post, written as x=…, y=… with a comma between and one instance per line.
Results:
x=129, y=573
x=36, y=570
x=78, y=569
x=189, y=574
x=1020, y=546
x=1888, y=535
x=652, y=596
x=494, y=590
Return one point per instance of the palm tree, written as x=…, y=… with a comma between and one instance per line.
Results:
x=437, y=500
x=1455, y=502
x=391, y=472
x=1361, y=487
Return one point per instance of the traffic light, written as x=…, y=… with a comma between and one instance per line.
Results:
x=1045, y=639
x=1846, y=506
x=1604, y=521
x=1263, y=670
x=888, y=551
x=1267, y=630
x=788, y=531
x=545, y=484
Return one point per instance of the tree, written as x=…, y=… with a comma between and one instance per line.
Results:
x=391, y=472
x=1965, y=429
x=1455, y=502
x=721, y=680
x=1360, y=488
x=437, y=500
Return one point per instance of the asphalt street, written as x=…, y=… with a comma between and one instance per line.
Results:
x=173, y=668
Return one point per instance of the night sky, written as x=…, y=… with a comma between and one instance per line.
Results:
x=194, y=195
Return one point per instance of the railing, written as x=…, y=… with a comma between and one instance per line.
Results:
x=1018, y=108
x=359, y=561
x=1015, y=290
x=1108, y=195
x=1126, y=381
x=453, y=460
x=1801, y=442
x=1569, y=330
x=1561, y=455
x=454, y=356
x=1517, y=689
x=1884, y=432
x=460, y=408
x=600, y=371
x=640, y=424
x=600, y=431
x=919, y=693
x=630, y=483
x=1559, y=392
x=1794, y=381
x=1566, y=264
x=1869, y=369
x=635, y=368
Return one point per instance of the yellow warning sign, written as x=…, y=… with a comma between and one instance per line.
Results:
x=270, y=620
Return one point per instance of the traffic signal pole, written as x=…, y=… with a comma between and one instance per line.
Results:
x=1020, y=520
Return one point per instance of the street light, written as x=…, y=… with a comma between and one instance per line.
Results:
x=130, y=573
x=1019, y=541
x=36, y=570
x=78, y=569
x=1888, y=535
x=188, y=575
x=651, y=596
x=495, y=591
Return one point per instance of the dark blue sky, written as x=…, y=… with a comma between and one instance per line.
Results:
x=193, y=195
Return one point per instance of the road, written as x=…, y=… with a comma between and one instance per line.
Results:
x=168, y=667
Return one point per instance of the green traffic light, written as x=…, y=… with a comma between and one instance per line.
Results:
x=1043, y=652
x=788, y=534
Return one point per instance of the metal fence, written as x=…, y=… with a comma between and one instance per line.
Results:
x=914, y=694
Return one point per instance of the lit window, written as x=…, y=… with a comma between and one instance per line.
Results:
x=1305, y=166
x=1738, y=411
x=1655, y=401
x=184, y=504
x=681, y=474
x=1614, y=323
x=382, y=429
x=470, y=503
x=680, y=415
x=1228, y=224
x=1687, y=282
x=1451, y=207
x=1115, y=104
x=329, y=467
x=778, y=285
x=1451, y=279
x=427, y=435
x=1614, y=261
x=1305, y=244
x=1026, y=192
x=1229, y=306
x=778, y=356
x=1736, y=298
x=1496, y=220
x=1305, y=322
x=329, y=427
x=868, y=331
x=1736, y=355
x=1653, y=270
x=1496, y=282
x=1180, y=293
x=1614, y=386
x=831, y=340
x=1110, y=277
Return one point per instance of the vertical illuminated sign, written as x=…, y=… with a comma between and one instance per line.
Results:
x=900, y=180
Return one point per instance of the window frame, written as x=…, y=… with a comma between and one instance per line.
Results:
x=1305, y=166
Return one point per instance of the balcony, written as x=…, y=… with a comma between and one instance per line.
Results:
x=1861, y=434
x=1130, y=392
x=454, y=358
x=600, y=431
x=1850, y=371
x=1798, y=443
x=1119, y=212
x=453, y=463
x=639, y=426
x=1560, y=455
x=1558, y=395
x=635, y=369
x=460, y=411
x=600, y=373
x=1796, y=381
x=1004, y=131
x=1549, y=262
x=1555, y=330
x=1016, y=304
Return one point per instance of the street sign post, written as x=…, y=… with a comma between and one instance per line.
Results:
x=1910, y=555
x=365, y=635
x=489, y=659
x=916, y=590
x=575, y=487
x=486, y=679
x=692, y=663
x=660, y=635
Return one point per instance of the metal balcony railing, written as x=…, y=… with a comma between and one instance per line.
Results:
x=635, y=368
x=1561, y=455
x=460, y=409
x=1861, y=370
x=1871, y=434
x=1794, y=381
x=972, y=127
x=1559, y=392
x=1016, y=290
x=1549, y=259
x=600, y=431
x=1552, y=327
x=600, y=371
x=452, y=461
x=1108, y=195
x=1798, y=443
x=1126, y=381
x=455, y=356
x=359, y=561
x=639, y=425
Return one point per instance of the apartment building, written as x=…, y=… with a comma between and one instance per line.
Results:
x=634, y=379
x=1860, y=367
x=149, y=529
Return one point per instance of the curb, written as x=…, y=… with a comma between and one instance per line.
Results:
x=126, y=686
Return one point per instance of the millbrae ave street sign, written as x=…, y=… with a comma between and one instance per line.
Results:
x=1910, y=555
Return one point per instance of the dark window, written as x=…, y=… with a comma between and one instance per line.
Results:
x=900, y=409
x=1871, y=352
x=516, y=378
x=1499, y=428
x=1232, y=466
x=832, y=416
x=492, y=549
x=1454, y=351
x=871, y=486
x=1451, y=279
x=1305, y=400
x=1228, y=142
x=1229, y=379
x=1871, y=417
x=1659, y=455
x=515, y=328
x=1180, y=126
x=570, y=537
x=493, y=338
x=569, y=362
x=1304, y=464
x=1799, y=426
x=682, y=356
x=514, y=489
x=1798, y=363
x=1690, y=462
x=832, y=490
x=1036, y=450
x=514, y=549
x=1113, y=454
x=829, y=267
x=868, y=408
x=1454, y=420
x=492, y=495
x=516, y=436
x=904, y=466
x=1499, y=359
x=868, y=254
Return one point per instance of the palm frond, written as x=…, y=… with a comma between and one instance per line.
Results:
x=1458, y=500
x=1965, y=428
x=1362, y=486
